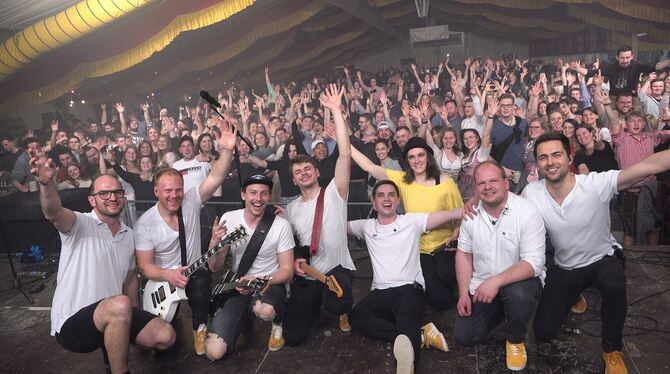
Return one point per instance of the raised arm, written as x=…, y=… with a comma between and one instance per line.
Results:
x=654, y=164
x=359, y=75
x=333, y=101
x=44, y=171
x=488, y=127
x=350, y=85
x=385, y=105
x=122, y=118
x=370, y=167
x=438, y=219
x=103, y=116
x=227, y=142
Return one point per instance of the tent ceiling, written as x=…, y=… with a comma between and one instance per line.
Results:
x=175, y=45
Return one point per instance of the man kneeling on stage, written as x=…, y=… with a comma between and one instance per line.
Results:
x=393, y=311
x=268, y=253
x=499, y=264
x=97, y=295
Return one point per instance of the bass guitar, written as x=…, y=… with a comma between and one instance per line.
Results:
x=329, y=280
x=162, y=298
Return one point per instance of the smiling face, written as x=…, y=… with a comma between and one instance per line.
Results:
x=471, y=139
x=320, y=151
x=385, y=200
x=73, y=171
x=146, y=164
x=535, y=129
x=402, y=136
x=382, y=151
x=186, y=150
x=170, y=192
x=589, y=118
x=206, y=144
x=491, y=185
x=449, y=140
x=256, y=198
x=624, y=104
x=624, y=58
x=556, y=121
x=111, y=207
x=130, y=155
x=417, y=159
x=568, y=129
x=584, y=137
x=305, y=175
x=553, y=161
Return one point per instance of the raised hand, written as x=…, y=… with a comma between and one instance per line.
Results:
x=54, y=125
x=493, y=107
x=43, y=169
x=119, y=107
x=346, y=70
x=228, y=138
x=332, y=98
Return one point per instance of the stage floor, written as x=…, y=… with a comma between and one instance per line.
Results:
x=28, y=348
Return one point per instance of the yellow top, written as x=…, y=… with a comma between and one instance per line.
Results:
x=428, y=199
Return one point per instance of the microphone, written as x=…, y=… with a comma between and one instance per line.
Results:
x=208, y=98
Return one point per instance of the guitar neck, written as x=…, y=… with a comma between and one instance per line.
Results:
x=229, y=286
x=312, y=272
x=203, y=259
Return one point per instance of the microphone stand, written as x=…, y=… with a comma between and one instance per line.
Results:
x=236, y=154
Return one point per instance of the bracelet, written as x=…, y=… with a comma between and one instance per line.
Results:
x=489, y=117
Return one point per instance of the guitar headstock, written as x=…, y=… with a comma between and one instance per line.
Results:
x=332, y=285
x=235, y=236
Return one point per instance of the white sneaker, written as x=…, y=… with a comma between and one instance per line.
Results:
x=404, y=355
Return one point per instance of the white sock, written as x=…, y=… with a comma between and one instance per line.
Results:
x=202, y=327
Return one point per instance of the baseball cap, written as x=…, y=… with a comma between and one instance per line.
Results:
x=258, y=179
x=317, y=142
x=385, y=125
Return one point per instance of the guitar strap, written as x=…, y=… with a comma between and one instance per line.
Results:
x=316, y=226
x=255, y=243
x=182, y=237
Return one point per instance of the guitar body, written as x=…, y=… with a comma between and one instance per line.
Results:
x=162, y=299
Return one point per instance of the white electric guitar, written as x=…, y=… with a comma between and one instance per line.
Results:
x=162, y=298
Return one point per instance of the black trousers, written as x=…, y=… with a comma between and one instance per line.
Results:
x=198, y=292
x=385, y=314
x=514, y=302
x=562, y=287
x=305, y=301
x=440, y=275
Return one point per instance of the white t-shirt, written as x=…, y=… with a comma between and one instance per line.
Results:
x=393, y=248
x=93, y=265
x=333, y=249
x=153, y=233
x=194, y=172
x=278, y=240
x=518, y=235
x=580, y=228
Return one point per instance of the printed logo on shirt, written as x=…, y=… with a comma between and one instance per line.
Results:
x=192, y=169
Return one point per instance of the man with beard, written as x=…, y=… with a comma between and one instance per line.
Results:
x=274, y=260
x=586, y=254
x=21, y=175
x=624, y=72
x=157, y=233
x=330, y=255
x=95, y=304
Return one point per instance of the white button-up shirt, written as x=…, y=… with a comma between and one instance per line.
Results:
x=518, y=235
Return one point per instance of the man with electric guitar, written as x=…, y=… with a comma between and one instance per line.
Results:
x=168, y=234
x=267, y=254
x=319, y=220
x=96, y=300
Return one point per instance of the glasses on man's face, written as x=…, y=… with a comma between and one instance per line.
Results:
x=105, y=195
x=507, y=106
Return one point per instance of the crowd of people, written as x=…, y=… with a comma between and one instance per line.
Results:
x=533, y=150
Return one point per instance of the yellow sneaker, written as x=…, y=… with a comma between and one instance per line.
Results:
x=199, y=337
x=404, y=355
x=579, y=307
x=344, y=323
x=432, y=337
x=516, y=356
x=614, y=363
x=276, y=338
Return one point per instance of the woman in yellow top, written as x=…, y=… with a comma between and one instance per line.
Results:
x=424, y=190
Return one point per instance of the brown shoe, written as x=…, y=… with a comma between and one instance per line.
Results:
x=614, y=363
